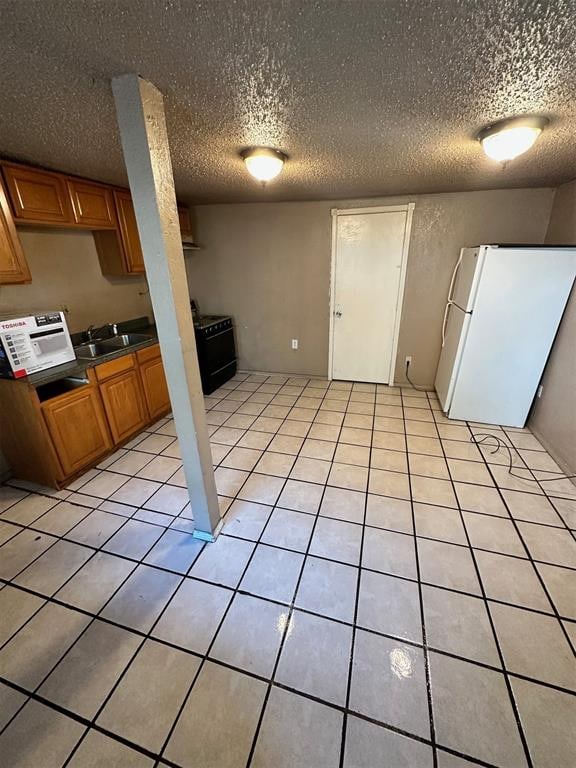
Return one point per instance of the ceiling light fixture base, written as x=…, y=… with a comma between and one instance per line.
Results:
x=263, y=163
x=506, y=139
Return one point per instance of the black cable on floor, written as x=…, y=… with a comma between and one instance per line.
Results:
x=414, y=386
x=485, y=436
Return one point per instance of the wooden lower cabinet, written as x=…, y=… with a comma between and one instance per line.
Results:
x=124, y=404
x=154, y=381
x=77, y=427
x=54, y=432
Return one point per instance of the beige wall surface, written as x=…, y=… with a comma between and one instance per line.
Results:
x=66, y=272
x=554, y=416
x=268, y=265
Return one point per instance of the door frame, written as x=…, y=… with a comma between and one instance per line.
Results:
x=335, y=213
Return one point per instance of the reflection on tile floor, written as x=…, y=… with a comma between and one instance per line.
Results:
x=384, y=593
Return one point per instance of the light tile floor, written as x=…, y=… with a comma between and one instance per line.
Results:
x=384, y=593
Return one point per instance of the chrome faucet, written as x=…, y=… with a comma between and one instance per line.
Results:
x=93, y=331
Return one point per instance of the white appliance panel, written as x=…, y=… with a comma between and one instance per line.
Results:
x=467, y=277
x=519, y=304
x=457, y=324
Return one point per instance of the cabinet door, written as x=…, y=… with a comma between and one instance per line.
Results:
x=77, y=427
x=92, y=204
x=124, y=405
x=13, y=266
x=155, y=387
x=37, y=196
x=184, y=221
x=129, y=232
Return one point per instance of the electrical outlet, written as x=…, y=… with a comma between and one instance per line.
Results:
x=294, y=343
x=540, y=390
x=408, y=360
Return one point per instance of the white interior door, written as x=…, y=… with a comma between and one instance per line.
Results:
x=369, y=264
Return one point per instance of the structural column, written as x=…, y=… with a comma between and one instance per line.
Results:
x=142, y=123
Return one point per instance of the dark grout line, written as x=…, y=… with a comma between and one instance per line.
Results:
x=506, y=677
x=421, y=602
x=535, y=569
x=542, y=488
x=287, y=626
x=357, y=597
x=237, y=590
x=71, y=606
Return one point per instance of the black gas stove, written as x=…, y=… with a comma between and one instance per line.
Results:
x=205, y=322
x=216, y=349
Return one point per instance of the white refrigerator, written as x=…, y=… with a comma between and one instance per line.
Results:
x=504, y=307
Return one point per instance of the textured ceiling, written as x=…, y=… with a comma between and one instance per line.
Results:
x=367, y=97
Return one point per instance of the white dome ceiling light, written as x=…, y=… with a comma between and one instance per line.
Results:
x=263, y=163
x=507, y=139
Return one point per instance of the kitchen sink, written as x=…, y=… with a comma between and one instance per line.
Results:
x=99, y=348
x=124, y=340
x=91, y=350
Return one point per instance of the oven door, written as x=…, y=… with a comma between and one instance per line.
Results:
x=217, y=358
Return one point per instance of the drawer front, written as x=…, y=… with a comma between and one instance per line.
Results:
x=93, y=205
x=37, y=196
x=148, y=353
x=114, y=367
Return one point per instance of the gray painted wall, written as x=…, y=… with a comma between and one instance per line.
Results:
x=268, y=265
x=553, y=419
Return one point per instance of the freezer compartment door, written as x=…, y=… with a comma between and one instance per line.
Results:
x=466, y=277
x=457, y=323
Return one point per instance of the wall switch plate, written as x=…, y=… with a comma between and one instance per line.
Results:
x=540, y=390
x=294, y=343
x=408, y=360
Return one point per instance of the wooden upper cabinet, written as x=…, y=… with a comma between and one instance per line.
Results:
x=13, y=266
x=153, y=381
x=119, y=251
x=37, y=197
x=185, y=221
x=77, y=426
x=129, y=231
x=92, y=204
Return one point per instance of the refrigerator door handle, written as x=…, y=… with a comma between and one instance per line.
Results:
x=445, y=321
x=449, y=302
x=453, y=280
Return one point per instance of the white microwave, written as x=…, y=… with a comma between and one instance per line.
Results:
x=34, y=343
